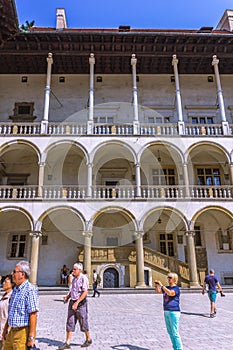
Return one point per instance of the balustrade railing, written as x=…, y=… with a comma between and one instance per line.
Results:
x=153, y=192
x=159, y=129
x=203, y=129
x=19, y=129
x=67, y=129
x=64, y=192
x=117, y=192
x=207, y=192
x=18, y=192
x=113, y=129
x=72, y=128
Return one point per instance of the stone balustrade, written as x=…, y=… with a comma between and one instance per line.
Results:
x=63, y=128
x=71, y=192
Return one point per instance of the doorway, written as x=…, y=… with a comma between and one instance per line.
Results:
x=111, y=278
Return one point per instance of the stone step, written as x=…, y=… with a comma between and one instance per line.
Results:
x=56, y=290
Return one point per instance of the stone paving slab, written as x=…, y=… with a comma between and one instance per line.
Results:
x=135, y=322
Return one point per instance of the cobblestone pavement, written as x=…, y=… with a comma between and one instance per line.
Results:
x=135, y=322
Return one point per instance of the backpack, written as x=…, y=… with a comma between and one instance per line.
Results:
x=98, y=279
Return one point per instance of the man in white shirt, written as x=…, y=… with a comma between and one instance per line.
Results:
x=77, y=309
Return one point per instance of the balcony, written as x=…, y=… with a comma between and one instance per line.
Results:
x=166, y=129
x=121, y=193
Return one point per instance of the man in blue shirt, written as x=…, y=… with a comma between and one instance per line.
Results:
x=213, y=284
x=23, y=309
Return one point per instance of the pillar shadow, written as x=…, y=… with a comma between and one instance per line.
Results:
x=195, y=314
x=128, y=347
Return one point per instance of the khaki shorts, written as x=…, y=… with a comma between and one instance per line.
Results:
x=16, y=339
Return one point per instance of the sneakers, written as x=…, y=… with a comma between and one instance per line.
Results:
x=212, y=315
x=64, y=346
x=86, y=343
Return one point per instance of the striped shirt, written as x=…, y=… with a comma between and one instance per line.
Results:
x=79, y=285
x=24, y=300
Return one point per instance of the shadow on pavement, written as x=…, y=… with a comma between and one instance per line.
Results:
x=51, y=342
x=195, y=314
x=127, y=347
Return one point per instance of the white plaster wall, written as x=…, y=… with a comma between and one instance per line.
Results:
x=59, y=251
x=72, y=96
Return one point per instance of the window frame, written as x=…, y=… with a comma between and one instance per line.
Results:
x=18, y=242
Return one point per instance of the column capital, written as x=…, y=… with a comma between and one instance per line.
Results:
x=174, y=60
x=189, y=233
x=87, y=234
x=133, y=60
x=215, y=61
x=138, y=234
x=92, y=58
x=50, y=58
x=35, y=234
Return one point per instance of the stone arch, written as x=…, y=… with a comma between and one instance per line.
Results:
x=157, y=160
x=63, y=228
x=113, y=224
x=65, y=163
x=203, y=157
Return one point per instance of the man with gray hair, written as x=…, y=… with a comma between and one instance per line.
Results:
x=77, y=309
x=23, y=309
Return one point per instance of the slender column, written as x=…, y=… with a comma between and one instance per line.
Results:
x=89, y=179
x=192, y=259
x=231, y=173
x=44, y=123
x=91, y=95
x=138, y=180
x=178, y=95
x=186, y=180
x=135, y=93
x=87, y=252
x=34, y=255
x=225, y=125
x=139, y=260
x=41, y=179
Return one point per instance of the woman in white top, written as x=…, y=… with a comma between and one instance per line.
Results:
x=4, y=302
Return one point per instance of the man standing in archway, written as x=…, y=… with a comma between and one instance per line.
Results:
x=96, y=281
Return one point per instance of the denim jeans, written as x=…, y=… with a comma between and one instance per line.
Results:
x=172, y=323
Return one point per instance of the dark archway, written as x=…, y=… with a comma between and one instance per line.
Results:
x=111, y=278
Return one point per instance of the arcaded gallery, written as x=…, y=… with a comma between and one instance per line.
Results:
x=116, y=150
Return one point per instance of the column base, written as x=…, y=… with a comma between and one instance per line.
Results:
x=140, y=285
x=181, y=128
x=90, y=126
x=225, y=128
x=44, y=127
x=194, y=285
x=135, y=127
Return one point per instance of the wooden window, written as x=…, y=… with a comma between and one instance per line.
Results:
x=165, y=177
x=166, y=243
x=225, y=239
x=197, y=237
x=208, y=177
x=202, y=120
x=17, y=245
x=23, y=112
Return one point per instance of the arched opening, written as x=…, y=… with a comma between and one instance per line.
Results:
x=111, y=278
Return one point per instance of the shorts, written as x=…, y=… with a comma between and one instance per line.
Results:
x=212, y=296
x=16, y=339
x=80, y=315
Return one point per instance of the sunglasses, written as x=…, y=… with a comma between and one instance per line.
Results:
x=169, y=277
x=14, y=271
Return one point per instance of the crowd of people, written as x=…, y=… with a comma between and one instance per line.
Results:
x=19, y=306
